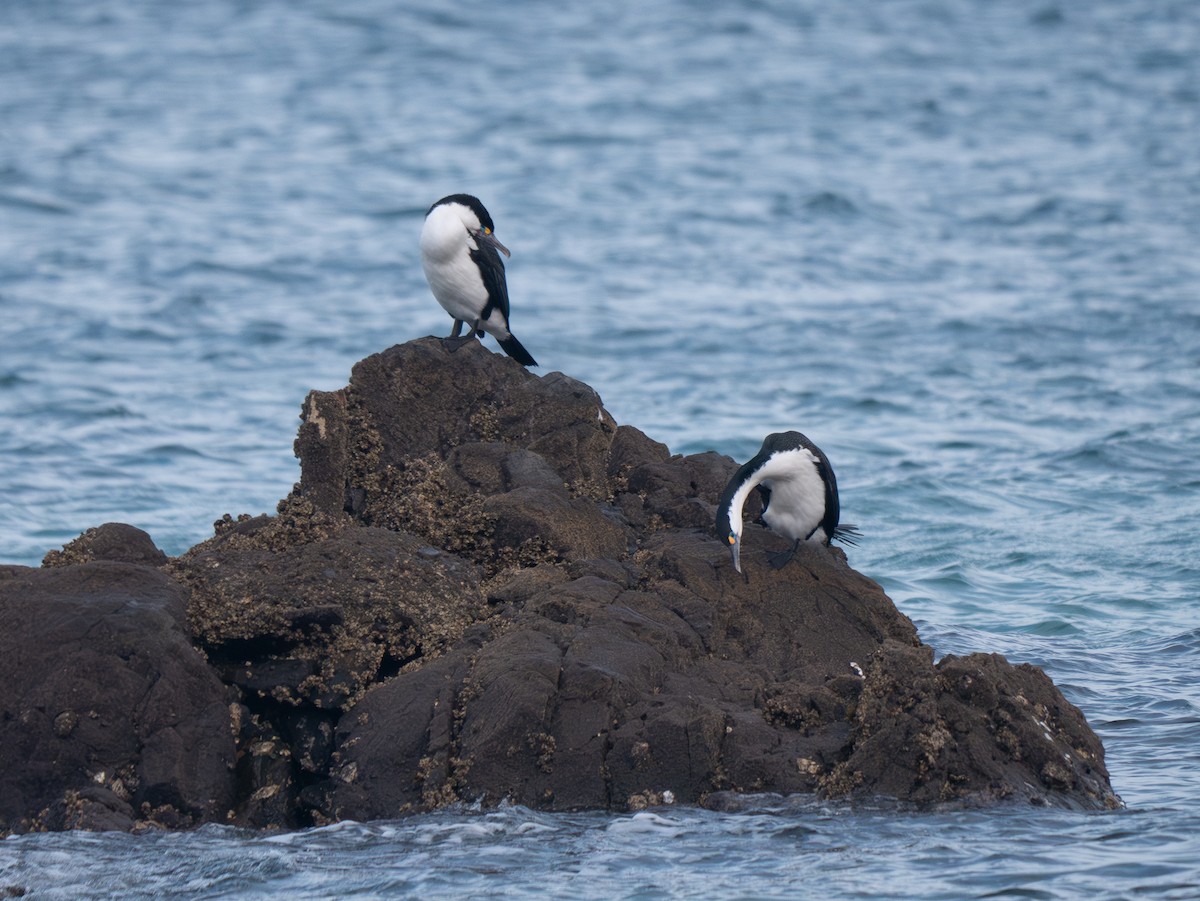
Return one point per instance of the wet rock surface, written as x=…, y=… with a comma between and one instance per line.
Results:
x=483, y=588
x=109, y=717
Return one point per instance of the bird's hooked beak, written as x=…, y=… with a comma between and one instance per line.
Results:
x=485, y=236
x=735, y=549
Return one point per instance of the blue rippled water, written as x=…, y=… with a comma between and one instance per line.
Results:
x=955, y=242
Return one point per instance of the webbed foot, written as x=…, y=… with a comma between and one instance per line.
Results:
x=783, y=558
x=453, y=343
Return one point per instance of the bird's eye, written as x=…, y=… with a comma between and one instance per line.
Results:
x=486, y=230
x=732, y=539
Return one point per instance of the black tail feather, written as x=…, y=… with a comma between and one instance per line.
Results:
x=848, y=533
x=516, y=350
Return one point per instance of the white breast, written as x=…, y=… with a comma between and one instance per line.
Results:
x=445, y=255
x=797, y=503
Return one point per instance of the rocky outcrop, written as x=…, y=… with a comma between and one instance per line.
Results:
x=109, y=717
x=483, y=588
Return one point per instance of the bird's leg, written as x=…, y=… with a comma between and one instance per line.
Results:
x=454, y=342
x=780, y=560
x=476, y=329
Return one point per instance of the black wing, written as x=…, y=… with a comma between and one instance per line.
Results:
x=832, y=508
x=491, y=267
x=764, y=494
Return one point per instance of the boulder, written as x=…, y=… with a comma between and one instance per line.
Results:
x=683, y=681
x=114, y=541
x=623, y=660
x=483, y=589
x=110, y=717
x=306, y=610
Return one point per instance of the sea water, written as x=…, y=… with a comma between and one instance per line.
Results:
x=954, y=242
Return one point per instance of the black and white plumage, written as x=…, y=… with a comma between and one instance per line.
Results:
x=799, y=497
x=461, y=258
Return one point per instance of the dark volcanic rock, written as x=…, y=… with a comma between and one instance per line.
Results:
x=483, y=588
x=606, y=691
x=417, y=401
x=595, y=694
x=308, y=609
x=303, y=612
x=109, y=715
x=626, y=658
x=114, y=541
x=971, y=727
